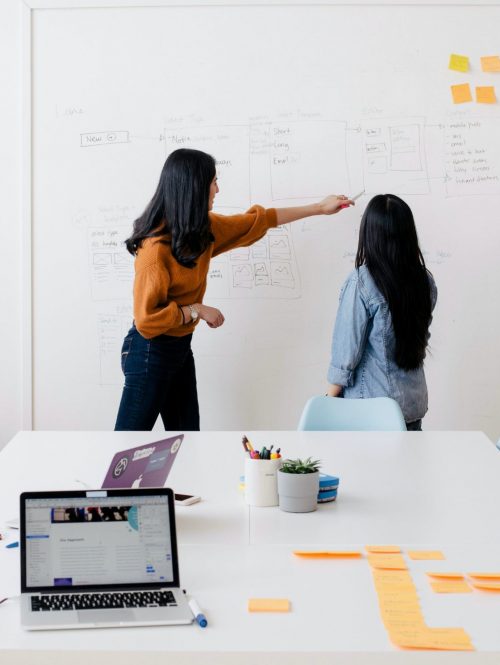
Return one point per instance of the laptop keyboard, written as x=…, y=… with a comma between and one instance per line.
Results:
x=94, y=601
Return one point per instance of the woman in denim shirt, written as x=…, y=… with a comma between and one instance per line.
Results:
x=382, y=327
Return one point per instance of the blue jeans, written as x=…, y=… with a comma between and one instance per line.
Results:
x=160, y=379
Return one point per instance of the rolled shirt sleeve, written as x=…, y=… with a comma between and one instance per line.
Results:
x=349, y=335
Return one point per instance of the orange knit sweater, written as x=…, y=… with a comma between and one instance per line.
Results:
x=162, y=285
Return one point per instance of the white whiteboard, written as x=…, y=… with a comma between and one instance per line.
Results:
x=294, y=102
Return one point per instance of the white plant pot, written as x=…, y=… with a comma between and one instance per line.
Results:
x=298, y=492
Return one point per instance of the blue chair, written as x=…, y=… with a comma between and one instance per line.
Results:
x=337, y=413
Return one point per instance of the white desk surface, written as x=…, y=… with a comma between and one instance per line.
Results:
x=436, y=490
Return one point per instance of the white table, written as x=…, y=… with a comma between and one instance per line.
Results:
x=436, y=490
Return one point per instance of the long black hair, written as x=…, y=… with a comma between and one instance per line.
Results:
x=179, y=207
x=388, y=246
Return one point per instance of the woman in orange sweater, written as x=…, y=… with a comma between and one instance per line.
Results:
x=173, y=242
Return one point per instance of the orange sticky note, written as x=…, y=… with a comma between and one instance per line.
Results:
x=383, y=549
x=445, y=576
x=420, y=555
x=268, y=605
x=459, y=63
x=455, y=639
x=485, y=576
x=485, y=94
x=490, y=63
x=461, y=93
x=451, y=586
x=486, y=585
x=327, y=554
x=387, y=561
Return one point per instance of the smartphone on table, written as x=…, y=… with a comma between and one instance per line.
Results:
x=186, y=499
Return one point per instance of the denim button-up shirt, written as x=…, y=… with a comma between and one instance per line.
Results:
x=363, y=348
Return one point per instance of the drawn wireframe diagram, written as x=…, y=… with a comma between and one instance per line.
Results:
x=472, y=157
x=111, y=267
x=394, y=156
x=297, y=157
x=229, y=145
x=103, y=138
x=267, y=269
x=112, y=326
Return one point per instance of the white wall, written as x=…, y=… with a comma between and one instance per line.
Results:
x=10, y=221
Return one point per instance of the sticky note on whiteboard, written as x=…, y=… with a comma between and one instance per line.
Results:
x=490, y=63
x=485, y=94
x=268, y=605
x=459, y=63
x=461, y=93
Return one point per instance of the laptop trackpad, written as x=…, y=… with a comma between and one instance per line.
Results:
x=106, y=616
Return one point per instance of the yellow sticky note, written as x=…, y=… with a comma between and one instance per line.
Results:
x=454, y=639
x=485, y=576
x=490, y=63
x=328, y=554
x=268, y=605
x=446, y=576
x=383, y=549
x=486, y=585
x=387, y=561
x=451, y=586
x=420, y=555
x=461, y=93
x=459, y=63
x=485, y=94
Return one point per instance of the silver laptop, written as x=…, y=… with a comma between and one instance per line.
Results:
x=92, y=559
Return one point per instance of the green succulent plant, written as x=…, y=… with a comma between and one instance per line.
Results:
x=301, y=466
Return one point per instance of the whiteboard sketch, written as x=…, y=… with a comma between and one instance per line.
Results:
x=472, y=156
x=299, y=151
x=103, y=138
x=394, y=156
x=267, y=269
x=111, y=266
x=229, y=145
x=112, y=326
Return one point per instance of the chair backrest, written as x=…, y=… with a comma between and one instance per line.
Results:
x=337, y=413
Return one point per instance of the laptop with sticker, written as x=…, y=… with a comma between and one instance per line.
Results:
x=144, y=466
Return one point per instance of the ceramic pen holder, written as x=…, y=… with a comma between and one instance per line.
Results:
x=261, y=483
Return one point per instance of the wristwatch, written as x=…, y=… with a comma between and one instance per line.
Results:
x=193, y=312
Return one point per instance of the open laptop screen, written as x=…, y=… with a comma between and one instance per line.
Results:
x=122, y=539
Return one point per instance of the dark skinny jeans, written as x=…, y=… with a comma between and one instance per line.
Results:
x=160, y=379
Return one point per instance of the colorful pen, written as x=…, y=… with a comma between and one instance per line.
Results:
x=11, y=545
x=248, y=443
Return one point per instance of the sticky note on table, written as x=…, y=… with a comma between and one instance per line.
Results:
x=459, y=63
x=451, y=586
x=447, y=576
x=485, y=94
x=268, y=605
x=461, y=93
x=387, y=561
x=453, y=639
x=421, y=555
x=490, y=63
x=486, y=585
x=328, y=554
x=383, y=549
x=485, y=576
